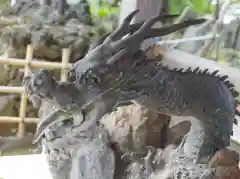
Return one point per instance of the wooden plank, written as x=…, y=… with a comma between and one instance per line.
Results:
x=23, y=103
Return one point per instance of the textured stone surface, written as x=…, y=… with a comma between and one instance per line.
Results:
x=79, y=154
x=47, y=41
x=226, y=164
x=42, y=25
x=134, y=127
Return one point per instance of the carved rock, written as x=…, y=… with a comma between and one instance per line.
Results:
x=131, y=129
x=134, y=127
x=226, y=164
x=79, y=154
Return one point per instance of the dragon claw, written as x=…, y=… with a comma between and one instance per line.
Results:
x=48, y=121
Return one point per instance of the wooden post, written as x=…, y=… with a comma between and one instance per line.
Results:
x=13, y=2
x=23, y=103
x=147, y=9
x=126, y=6
x=65, y=59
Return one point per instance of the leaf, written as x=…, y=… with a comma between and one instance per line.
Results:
x=200, y=6
x=103, y=12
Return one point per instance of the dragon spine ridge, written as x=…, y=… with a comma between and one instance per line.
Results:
x=223, y=78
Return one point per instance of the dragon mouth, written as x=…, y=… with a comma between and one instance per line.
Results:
x=54, y=117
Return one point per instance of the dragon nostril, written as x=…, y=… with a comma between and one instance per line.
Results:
x=42, y=71
x=38, y=83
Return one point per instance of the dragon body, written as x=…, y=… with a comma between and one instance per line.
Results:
x=115, y=73
x=208, y=97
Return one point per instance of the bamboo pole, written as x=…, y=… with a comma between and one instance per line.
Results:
x=34, y=63
x=23, y=103
x=65, y=59
x=11, y=89
x=11, y=119
x=6, y=58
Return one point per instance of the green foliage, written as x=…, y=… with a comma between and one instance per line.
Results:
x=105, y=11
x=200, y=6
x=102, y=8
x=104, y=15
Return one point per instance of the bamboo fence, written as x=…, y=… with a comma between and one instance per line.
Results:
x=29, y=63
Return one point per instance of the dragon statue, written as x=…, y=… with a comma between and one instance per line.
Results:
x=115, y=72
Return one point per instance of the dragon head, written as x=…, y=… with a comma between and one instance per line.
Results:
x=41, y=84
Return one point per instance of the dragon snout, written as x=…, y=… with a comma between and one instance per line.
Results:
x=44, y=72
x=41, y=77
x=40, y=83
